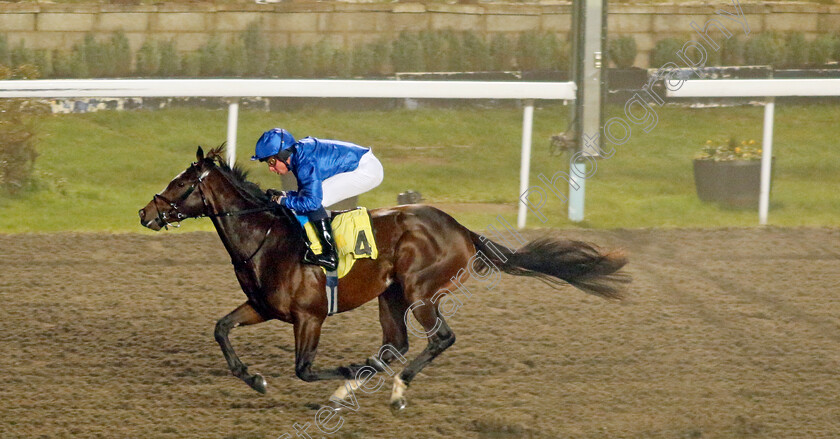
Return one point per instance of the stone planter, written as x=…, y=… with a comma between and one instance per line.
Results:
x=734, y=183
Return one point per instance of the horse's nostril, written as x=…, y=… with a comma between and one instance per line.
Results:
x=142, y=213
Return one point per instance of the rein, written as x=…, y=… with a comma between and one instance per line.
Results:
x=242, y=262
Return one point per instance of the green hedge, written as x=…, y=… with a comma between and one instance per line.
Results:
x=249, y=55
x=780, y=50
x=622, y=51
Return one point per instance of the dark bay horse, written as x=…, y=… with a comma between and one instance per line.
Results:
x=421, y=251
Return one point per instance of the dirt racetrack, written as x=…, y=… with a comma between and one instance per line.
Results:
x=727, y=333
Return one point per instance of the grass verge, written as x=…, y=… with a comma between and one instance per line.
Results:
x=95, y=170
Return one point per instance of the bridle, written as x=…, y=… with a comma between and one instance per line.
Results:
x=163, y=218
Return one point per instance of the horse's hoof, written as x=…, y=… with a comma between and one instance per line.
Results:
x=257, y=383
x=398, y=395
x=398, y=405
x=335, y=406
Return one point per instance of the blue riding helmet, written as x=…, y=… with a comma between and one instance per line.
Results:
x=272, y=142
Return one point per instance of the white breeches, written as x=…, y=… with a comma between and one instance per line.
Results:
x=342, y=186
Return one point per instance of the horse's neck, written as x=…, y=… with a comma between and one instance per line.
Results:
x=242, y=235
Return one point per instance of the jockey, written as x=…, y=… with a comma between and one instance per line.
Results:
x=327, y=171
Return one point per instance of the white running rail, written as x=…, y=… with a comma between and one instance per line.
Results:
x=315, y=88
x=760, y=88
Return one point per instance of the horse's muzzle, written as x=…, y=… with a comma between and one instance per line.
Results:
x=150, y=222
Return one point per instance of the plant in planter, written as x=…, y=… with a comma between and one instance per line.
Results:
x=729, y=172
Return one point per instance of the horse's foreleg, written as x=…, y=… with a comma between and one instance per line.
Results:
x=440, y=337
x=244, y=315
x=307, y=334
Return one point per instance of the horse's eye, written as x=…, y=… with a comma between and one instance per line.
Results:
x=181, y=184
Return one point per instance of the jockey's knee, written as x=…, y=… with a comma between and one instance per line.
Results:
x=380, y=176
x=318, y=214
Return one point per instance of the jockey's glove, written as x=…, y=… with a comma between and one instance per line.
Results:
x=276, y=196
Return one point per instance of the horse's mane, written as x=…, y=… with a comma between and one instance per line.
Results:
x=238, y=175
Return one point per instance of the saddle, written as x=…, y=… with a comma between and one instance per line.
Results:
x=354, y=239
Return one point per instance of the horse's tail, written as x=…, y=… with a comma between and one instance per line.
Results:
x=553, y=260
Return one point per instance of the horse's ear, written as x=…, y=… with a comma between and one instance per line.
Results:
x=199, y=155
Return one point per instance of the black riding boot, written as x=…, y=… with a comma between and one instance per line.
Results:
x=328, y=257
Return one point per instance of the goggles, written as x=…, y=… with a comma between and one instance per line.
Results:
x=282, y=155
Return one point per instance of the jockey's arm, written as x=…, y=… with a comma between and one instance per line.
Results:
x=309, y=194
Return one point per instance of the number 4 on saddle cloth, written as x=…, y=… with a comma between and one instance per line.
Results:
x=354, y=239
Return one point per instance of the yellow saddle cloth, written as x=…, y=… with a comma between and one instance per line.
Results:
x=353, y=236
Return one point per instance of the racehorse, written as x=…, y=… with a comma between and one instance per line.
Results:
x=422, y=251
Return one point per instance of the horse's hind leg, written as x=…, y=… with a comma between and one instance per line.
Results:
x=244, y=315
x=440, y=337
x=392, y=307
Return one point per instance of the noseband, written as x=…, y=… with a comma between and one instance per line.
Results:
x=163, y=219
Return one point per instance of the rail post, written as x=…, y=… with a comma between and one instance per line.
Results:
x=233, y=118
x=766, y=161
x=525, y=165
